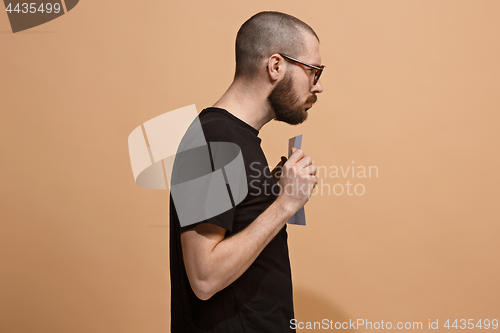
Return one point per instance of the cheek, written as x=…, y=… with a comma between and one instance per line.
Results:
x=305, y=86
x=303, y=93
x=301, y=88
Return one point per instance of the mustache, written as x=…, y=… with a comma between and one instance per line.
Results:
x=312, y=99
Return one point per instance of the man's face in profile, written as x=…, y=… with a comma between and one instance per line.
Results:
x=295, y=93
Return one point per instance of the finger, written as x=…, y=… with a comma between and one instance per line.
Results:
x=304, y=162
x=296, y=156
x=312, y=169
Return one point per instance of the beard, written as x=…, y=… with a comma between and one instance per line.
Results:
x=285, y=102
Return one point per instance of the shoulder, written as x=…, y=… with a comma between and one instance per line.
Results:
x=218, y=127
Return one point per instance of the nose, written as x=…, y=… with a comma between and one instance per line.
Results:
x=317, y=88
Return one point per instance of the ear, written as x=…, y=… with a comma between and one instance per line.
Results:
x=275, y=67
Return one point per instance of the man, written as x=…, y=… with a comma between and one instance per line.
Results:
x=231, y=273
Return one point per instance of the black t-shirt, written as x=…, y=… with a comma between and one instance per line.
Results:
x=260, y=300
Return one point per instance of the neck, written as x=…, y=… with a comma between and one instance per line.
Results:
x=247, y=102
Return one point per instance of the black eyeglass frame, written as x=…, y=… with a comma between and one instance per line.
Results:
x=317, y=74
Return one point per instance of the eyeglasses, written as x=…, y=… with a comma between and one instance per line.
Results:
x=318, y=72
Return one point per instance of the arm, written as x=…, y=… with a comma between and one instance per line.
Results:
x=214, y=262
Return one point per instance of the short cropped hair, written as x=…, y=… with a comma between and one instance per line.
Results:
x=267, y=33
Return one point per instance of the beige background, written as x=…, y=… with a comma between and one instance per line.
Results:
x=410, y=87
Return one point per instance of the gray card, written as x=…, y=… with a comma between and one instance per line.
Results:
x=300, y=217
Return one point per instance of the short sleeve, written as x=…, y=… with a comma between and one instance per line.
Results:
x=198, y=189
x=224, y=220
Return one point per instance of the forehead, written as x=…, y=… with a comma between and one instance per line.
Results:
x=312, y=55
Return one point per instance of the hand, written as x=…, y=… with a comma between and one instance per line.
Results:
x=298, y=179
